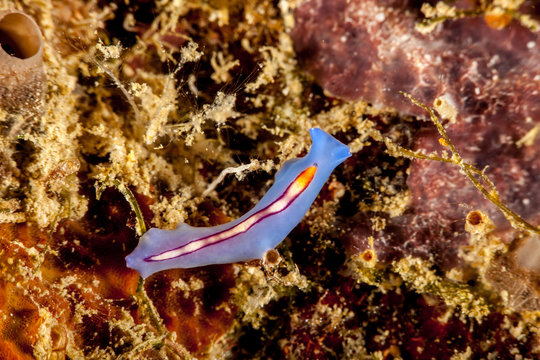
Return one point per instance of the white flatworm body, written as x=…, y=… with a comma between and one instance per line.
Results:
x=262, y=228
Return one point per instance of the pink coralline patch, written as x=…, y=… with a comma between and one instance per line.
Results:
x=370, y=50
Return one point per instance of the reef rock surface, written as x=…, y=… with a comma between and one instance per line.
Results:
x=370, y=50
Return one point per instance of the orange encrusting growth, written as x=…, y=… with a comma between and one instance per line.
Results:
x=498, y=21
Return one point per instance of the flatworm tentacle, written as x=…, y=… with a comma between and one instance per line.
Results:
x=259, y=230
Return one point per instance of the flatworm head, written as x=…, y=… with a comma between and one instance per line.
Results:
x=262, y=228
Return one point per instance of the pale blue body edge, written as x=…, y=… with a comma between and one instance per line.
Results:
x=326, y=153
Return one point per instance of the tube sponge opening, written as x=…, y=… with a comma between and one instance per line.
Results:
x=21, y=62
x=19, y=35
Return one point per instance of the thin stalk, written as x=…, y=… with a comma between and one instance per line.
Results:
x=469, y=170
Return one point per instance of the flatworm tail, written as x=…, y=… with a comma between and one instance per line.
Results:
x=262, y=228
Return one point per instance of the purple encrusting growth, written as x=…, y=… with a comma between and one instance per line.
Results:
x=262, y=228
x=370, y=50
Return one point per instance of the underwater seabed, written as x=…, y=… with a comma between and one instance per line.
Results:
x=121, y=116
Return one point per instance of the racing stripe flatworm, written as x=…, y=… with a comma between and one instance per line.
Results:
x=262, y=228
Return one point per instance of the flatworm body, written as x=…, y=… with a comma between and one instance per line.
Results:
x=262, y=228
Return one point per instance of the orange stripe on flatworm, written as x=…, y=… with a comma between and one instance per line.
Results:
x=305, y=177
